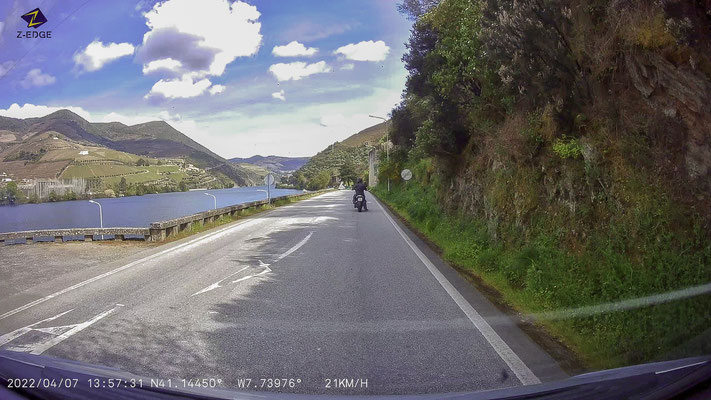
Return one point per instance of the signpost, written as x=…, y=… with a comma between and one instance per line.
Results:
x=406, y=174
x=269, y=181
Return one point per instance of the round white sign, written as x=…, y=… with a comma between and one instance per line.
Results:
x=269, y=180
x=406, y=174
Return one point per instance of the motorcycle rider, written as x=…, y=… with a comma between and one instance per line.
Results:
x=360, y=188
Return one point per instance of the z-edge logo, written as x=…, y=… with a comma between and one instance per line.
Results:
x=34, y=18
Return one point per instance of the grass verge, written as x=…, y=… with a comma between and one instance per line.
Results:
x=539, y=274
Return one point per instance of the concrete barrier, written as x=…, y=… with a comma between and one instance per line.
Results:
x=65, y=235
x=156, y=232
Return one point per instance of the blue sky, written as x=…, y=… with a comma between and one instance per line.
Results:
x=243, y=78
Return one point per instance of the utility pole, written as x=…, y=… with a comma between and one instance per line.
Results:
x=387, y=144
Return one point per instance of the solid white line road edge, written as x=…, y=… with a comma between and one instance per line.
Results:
x=519, y=368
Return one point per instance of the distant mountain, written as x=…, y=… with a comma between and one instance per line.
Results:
x=273, y=163
x=352, y=151
x=151, y=139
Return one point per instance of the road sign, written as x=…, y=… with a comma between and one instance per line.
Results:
x=269, y=179
x=406, y=174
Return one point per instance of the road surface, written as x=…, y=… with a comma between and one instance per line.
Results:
x=339, y=301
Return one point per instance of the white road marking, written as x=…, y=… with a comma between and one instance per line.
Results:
x=281, y=257
x=261, y=264
x=217, y=284
x=60, y=333
x=4, y=339
x=295, y=247
x=42, y=347
x=519, y=368
x=184, y=246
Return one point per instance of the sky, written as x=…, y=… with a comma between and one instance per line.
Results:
x=269, y=77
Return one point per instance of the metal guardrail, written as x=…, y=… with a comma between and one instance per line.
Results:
x=156, y=232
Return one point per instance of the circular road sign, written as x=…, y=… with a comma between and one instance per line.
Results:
x=406, y=174
x=269, y=179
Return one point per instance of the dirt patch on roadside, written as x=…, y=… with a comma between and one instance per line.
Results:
x=25, y=265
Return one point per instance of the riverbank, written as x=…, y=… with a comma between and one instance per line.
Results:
x=542, y=277
x=130, y=212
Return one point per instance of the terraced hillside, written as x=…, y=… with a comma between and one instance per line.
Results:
x=349, y=156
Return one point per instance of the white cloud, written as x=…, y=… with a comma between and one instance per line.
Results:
x=166, y=64
x=279, y=95
x=98, y=54
x=204, y=36
x=297, y=70
x=365, y=51
x=348, y=67
x=184, y=87
x=294, y=49
x=216, y=89
x=35, y=77
x=34, y=111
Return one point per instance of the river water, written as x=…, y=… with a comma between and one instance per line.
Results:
x=133, y=211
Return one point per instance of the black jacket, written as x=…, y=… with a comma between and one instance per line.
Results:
x=360, y=188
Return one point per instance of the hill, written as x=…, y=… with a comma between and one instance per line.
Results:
x=276, y=164
x=46, y=147
x=349, y=155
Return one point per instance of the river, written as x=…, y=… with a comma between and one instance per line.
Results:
x=133, y=211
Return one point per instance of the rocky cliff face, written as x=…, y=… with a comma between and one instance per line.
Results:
x=647, y=134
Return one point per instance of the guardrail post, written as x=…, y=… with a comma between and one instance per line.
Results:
x=157, y=235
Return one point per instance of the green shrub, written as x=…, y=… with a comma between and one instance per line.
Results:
x=567, y=148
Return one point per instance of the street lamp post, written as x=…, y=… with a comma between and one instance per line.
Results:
x=101, y=215
x=387, y=145
x=213, y=197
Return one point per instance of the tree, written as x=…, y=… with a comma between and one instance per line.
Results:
x=348, y=172
x=529, y=43
x=183, y=186
x=122, y=186
x=52, y=196
x=320, y=181
x=70, y=195
x=141, y=162
x=414, y=9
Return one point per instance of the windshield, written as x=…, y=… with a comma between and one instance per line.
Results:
x=355, y=197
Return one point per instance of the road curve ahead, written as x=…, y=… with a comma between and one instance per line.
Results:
x=340, y=302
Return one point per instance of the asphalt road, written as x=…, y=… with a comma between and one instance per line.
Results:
x=314, y=291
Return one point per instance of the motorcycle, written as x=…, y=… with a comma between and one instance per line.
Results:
x=360, y=202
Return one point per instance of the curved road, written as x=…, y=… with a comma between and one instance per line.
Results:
x=344, y=302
